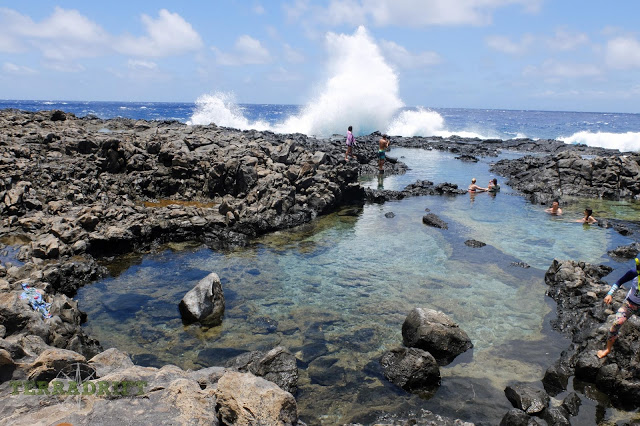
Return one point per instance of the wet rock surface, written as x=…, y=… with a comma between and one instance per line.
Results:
x=436, y=333
x=609, y=175
x=412, y=369
x=579, y=290
x=74, y=190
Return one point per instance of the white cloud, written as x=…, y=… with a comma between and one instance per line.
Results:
x=403, y=13
x=168, y=35
x=136, y=64
x=63, y=67
x=623, y=53
x=505, y=45
x=67, y=34
x=64, y=35
x=283, y=75
x=564, y=40
x=10, y=68
x=247, y=51
x=296, y=10
x=258, y=9
x=553, y=69
x=400, y=57
x=291, y=55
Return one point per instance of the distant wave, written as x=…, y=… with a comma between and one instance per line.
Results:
x=629, y=141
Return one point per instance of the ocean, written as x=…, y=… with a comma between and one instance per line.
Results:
x=606, y=129
x=336, y=291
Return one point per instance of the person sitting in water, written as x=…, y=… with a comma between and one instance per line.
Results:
x=555, y=208
x=588, y=218
x=493, y=185
x=475, y=188
x=629, y=307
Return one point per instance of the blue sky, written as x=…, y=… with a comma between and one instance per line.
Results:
x=512, y=54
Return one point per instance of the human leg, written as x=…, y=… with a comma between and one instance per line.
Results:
x=626, y=310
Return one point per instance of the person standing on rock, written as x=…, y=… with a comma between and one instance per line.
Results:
x=383, y=145
x=629, y=307
x=351, y=141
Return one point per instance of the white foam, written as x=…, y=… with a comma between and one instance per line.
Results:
x=421, y=122
x=361, y=90
x=220, y=108
x=629, y=141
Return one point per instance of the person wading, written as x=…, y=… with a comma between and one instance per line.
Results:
x=383, y=145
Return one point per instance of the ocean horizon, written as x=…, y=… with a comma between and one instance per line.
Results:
x=604, y=129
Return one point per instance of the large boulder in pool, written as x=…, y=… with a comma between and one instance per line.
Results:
x=204, y=303
x=436, y=333
x=412, y=369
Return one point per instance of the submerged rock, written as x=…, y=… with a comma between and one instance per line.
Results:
x=204, y=303
x=433, y=220
x=474, y=243
x=277, y=365
x=412, y=369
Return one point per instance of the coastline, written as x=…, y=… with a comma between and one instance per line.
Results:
x=247, y=183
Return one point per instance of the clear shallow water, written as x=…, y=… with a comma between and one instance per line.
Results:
x=336, y=291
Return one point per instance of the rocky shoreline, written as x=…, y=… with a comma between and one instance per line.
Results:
x=76, y=190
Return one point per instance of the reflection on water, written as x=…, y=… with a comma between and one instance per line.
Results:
x=336, y=291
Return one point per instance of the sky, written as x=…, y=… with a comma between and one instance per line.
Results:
x=501, y=54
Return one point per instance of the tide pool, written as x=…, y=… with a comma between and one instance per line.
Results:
x=336, y=291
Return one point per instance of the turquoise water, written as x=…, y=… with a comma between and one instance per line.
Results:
x=336, y=291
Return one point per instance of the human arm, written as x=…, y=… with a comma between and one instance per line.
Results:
x=628, y=276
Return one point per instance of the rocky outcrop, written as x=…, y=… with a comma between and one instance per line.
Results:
x=578, y=290
x=420, y=187
x=568, y=173
x=204, y=303
x=110, y=387
x=436, y=333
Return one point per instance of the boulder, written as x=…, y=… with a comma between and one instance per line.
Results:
x=515, y=417
x=277, y=365
x=527, y=398
x=46, y=247
x=587, y=366
x=412, y=369
x=244, y=399
x=571, y=403
x=53, y=362
x=436, y=333
x=109, y=361
x=556, y=416
x=204, y=303
x=556, y=378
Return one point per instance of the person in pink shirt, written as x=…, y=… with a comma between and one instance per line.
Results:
x=351, y=141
